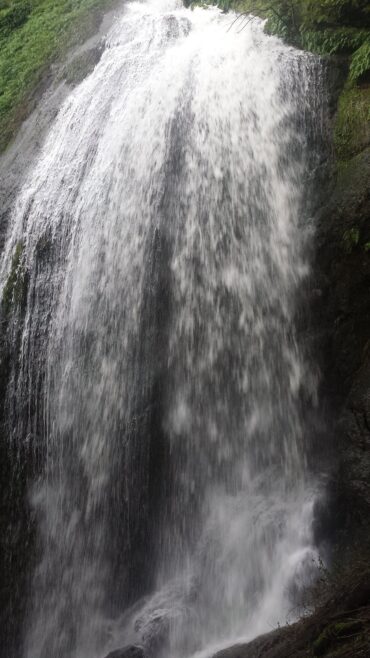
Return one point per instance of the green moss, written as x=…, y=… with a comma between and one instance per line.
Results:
x=15, y=289
x=335, y=634
x=345, y=628
x=351, y=238
x=351, y=133
x=322, y=643
x=39, y=32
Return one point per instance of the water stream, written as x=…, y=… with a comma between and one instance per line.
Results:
x=163, y=236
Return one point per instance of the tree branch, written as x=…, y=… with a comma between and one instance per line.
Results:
x=263, y=9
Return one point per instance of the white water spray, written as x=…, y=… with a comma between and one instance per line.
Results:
x=165, y=240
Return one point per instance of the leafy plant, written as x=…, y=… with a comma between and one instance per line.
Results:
x=334, y=40
x=360, y=63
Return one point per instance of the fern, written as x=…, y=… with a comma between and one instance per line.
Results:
x=332, y=41
x=360, y=63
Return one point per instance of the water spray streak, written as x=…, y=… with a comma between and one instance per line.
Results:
x=165, y=237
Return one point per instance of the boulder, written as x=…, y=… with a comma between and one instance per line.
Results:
x=127, y=652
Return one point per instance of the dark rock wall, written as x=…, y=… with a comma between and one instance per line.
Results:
x=340, y=323
x=343, y=265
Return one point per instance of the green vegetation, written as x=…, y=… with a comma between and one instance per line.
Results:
x=326, y=27
x=33, y=34
x=352, y=127
x=333, y=633
x=351, y=238
x=331, y=41
x=360, y=63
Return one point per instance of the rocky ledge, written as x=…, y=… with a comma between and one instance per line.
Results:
x=128, y=652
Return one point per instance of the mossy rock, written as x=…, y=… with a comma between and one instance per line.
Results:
x=351, y=190
x=348, y=208
x=352, y=128
x=335, y=634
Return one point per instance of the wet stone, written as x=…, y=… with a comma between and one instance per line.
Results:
x=127, y=652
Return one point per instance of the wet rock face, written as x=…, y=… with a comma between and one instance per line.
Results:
x=128, y=652
x=276, y=644
x=82, y=64
x=343, y=258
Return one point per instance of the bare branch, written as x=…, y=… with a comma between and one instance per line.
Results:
x=244, y=14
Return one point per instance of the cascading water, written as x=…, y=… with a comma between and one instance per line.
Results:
x=162, y=240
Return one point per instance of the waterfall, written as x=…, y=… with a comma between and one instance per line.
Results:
x=155, y=264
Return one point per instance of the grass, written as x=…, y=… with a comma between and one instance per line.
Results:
x=34, y=34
